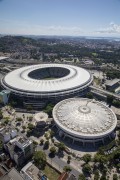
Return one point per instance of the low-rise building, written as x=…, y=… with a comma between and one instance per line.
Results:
x=111, y=85
x=13, y=174
x=41, y=119
x=31, y=172
x=6, y=134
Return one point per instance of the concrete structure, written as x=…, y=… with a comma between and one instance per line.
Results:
x=4, y=96
x=3, y=58
x=31, y=172
x=6, y=134
x=25, y=144
x=13, y=174
x=84, y=120
x=111, y=85
x=116, y=111
x=20, y=149
x=41, y=119
x=40, y=84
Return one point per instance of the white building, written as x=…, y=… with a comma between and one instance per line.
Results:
x=6, y=134
x=41, y=119
x=84, y=120
x=37, y=85
x=30, y=172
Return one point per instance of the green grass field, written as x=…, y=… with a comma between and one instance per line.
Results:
x=51, y=173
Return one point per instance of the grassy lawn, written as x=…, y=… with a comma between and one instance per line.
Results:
x=51, y=173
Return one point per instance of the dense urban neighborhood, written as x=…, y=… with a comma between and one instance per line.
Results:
x=59, y=108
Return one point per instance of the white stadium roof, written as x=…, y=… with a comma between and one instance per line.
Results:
x=84, y=118
x=20, y=79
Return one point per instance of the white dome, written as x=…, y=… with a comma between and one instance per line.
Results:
x=84, y=118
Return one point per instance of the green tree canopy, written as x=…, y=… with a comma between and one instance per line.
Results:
x=53, y=150
x=81, y=177
x=40, y=159
x=86, y=158
x=86, y=168
x=67, y=168
x=61, y=146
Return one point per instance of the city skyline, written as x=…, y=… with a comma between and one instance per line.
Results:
x=64, y=17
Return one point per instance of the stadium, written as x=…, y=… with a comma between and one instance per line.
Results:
x=40, y=84
x=84, y=120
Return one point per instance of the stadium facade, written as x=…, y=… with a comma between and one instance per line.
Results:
x=84, y=120
x=40, y=84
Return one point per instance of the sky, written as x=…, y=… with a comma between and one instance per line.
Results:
x=60, y=17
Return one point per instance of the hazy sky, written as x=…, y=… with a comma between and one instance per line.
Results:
x=60, y=17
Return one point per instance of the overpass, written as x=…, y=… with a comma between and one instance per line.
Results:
x=104, y=92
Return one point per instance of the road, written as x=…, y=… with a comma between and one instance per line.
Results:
x=104, y=92
x=59, y=163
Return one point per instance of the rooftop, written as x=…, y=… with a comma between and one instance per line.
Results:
x=112, y=82
x=23, y=140
x=47, y=78
x=31, y=170
x=41, y=116
x=3, y=57
x=13, y=174
x=84, y=117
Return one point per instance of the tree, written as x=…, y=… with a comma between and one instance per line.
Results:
x=116, y=103
x=96, y=175
x=30, y=118
x=49, y=109
x=81, y=177
x=19, y=119
x=67, y=168
x=103, y=177
x=24, y=127
x=86, y=158
x=1, y=115
x=35, y=143
x=41, y=141
x=68, y=160
x=61, y=146
x=40, y=159
x=86, y=168
x=53, y=150
x=6, y=121
x=100, y=158
x=52, y=134
x=46, y=145
x=110, y=99
x=115, y=177
x=89, y=95
x=30, y=126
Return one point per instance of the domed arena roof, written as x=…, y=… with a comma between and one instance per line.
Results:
x=84, y=118
x=46, y=78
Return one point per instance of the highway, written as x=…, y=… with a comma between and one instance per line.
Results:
x=104, y=92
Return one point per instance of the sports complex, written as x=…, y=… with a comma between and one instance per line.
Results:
x=40, y=84
x=84, y=120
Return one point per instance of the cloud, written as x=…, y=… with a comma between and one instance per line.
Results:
x=111, y=29
x=14, y=27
